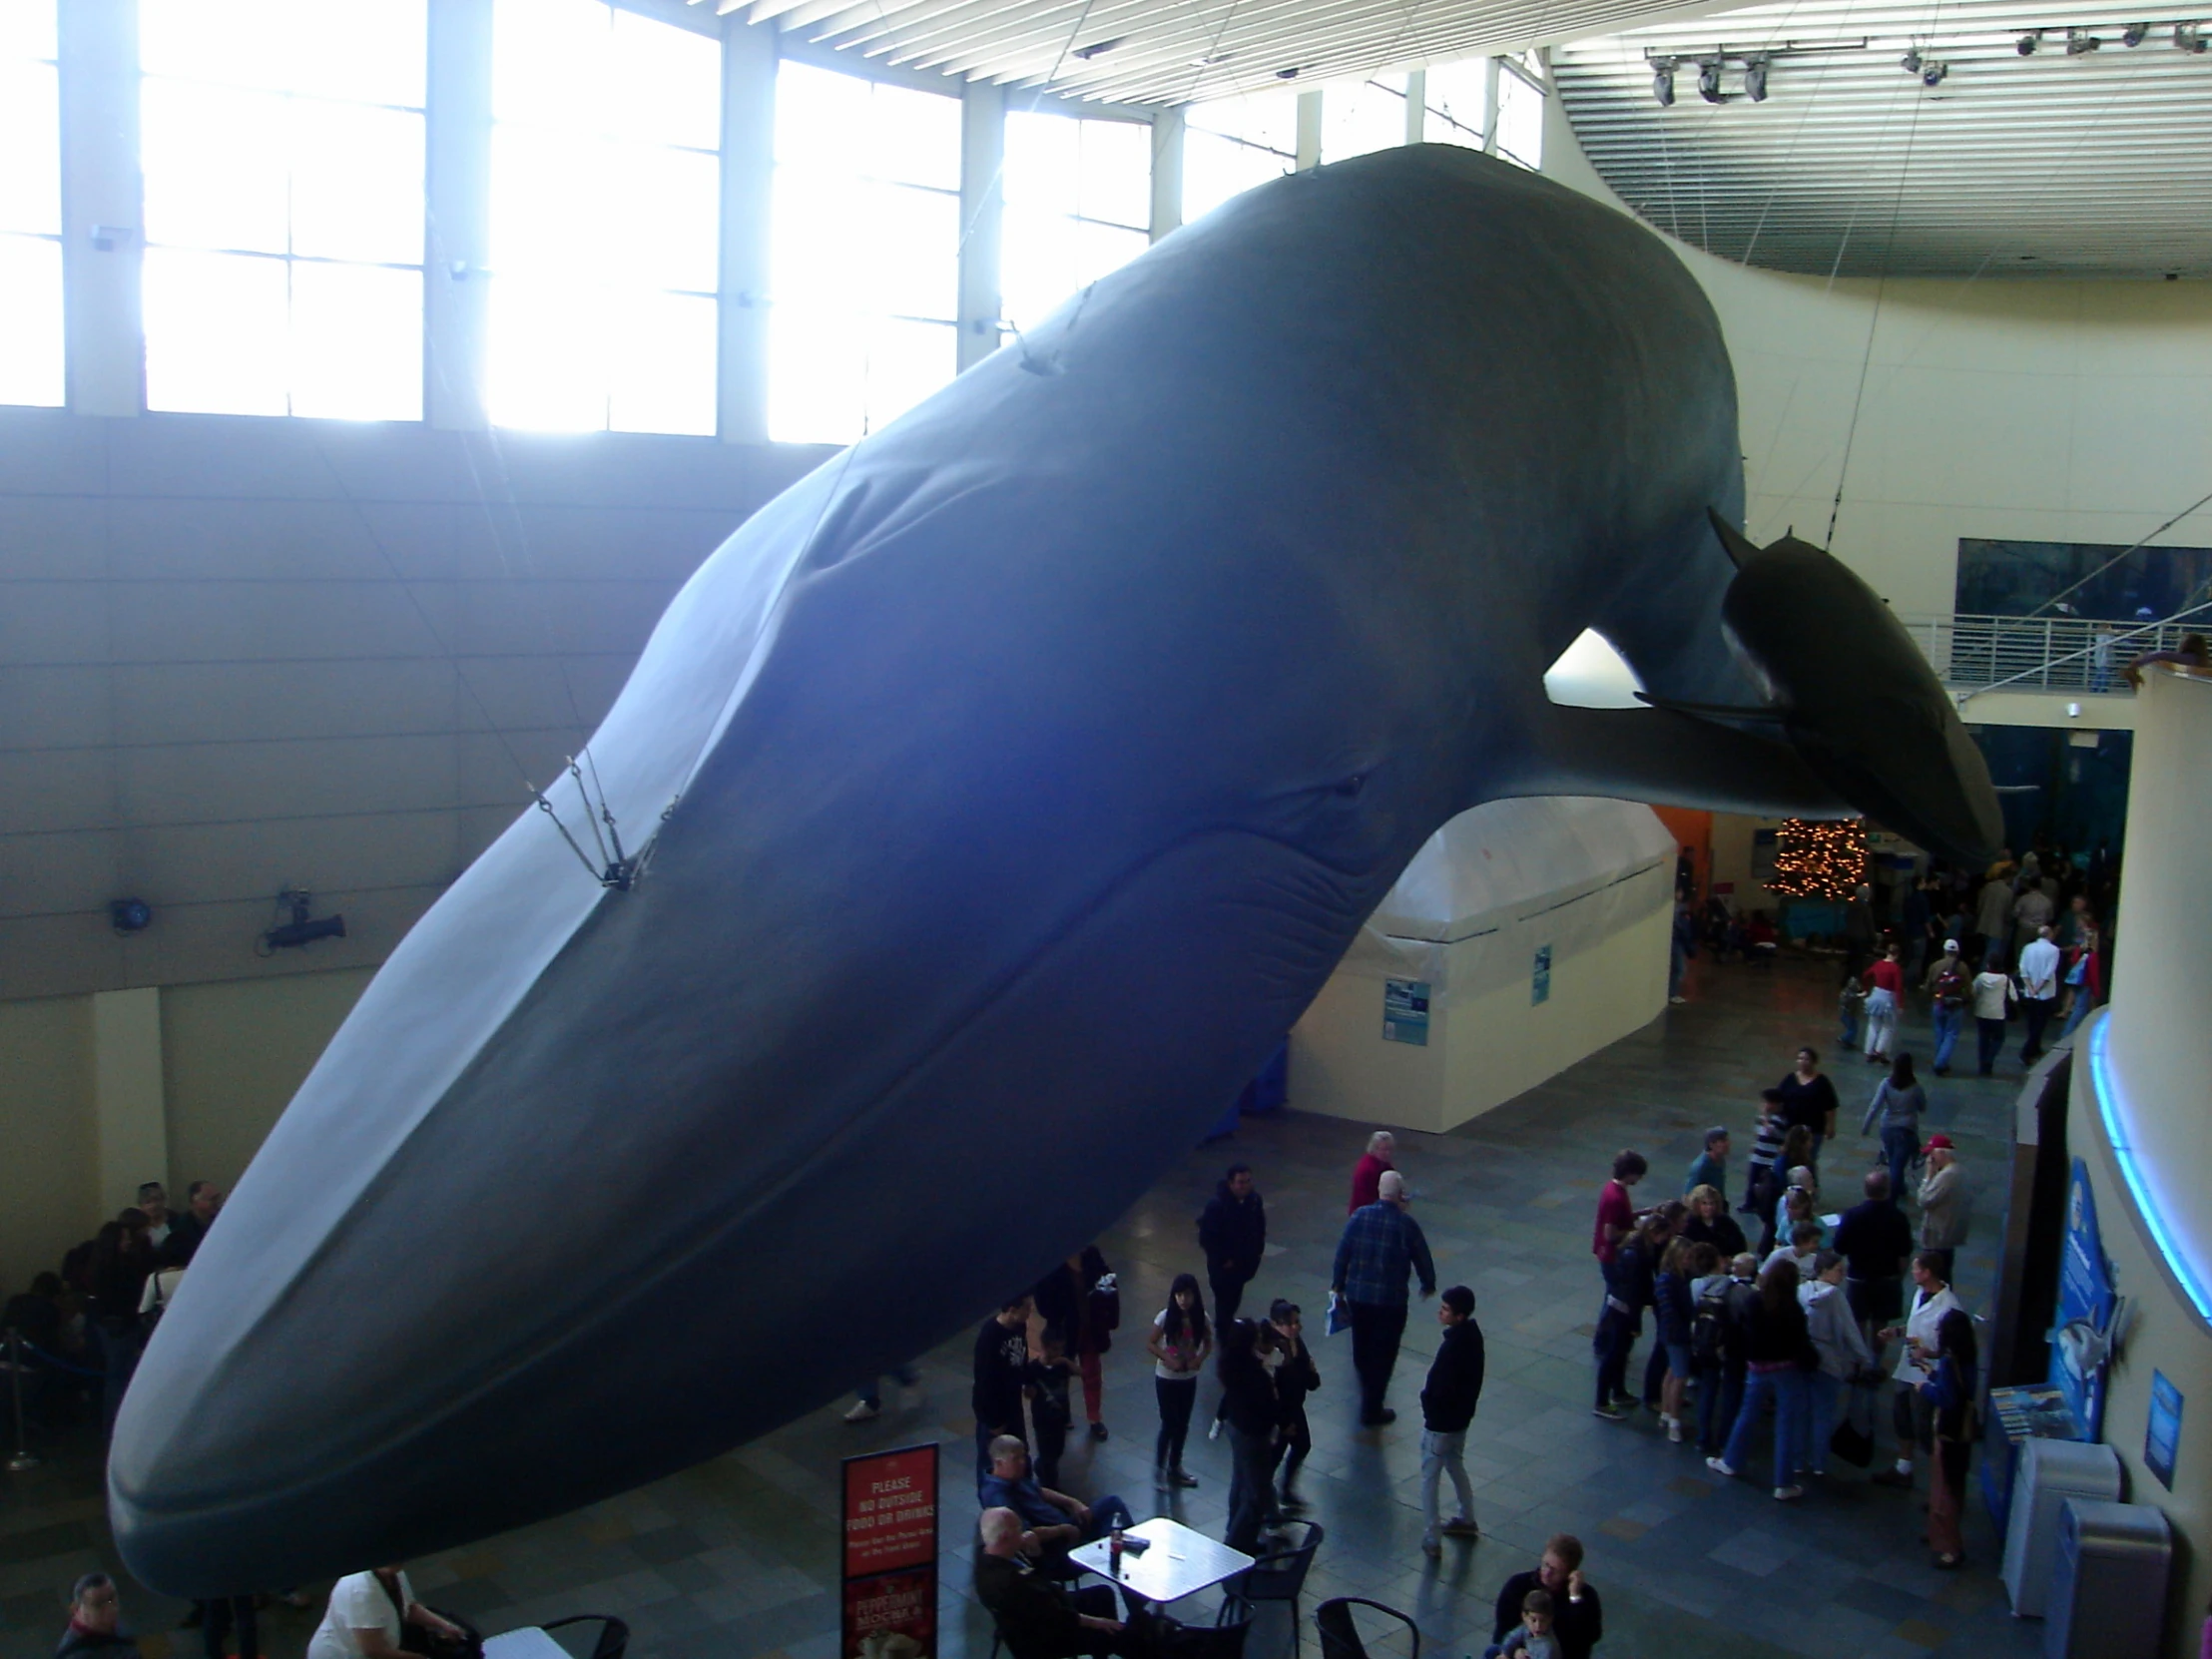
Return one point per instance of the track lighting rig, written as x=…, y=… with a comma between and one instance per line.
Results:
x=1919, y=59
x=1709, y=65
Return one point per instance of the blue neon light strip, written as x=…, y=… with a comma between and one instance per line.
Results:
x=2189, y=1272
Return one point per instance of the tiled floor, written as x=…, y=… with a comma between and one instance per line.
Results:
x=739, y=1556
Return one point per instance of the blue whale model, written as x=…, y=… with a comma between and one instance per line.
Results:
x=994, y=801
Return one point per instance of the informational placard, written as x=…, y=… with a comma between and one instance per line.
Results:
x=2163, y=1435
x=2078, y=1359
x=1406, y=1012
x=1540, y=976
x=890, y=1554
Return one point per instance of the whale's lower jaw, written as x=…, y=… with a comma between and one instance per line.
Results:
x=1025, y=1134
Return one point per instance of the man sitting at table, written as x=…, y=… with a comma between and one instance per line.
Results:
x=1039, y=1618
x=1057, y=1521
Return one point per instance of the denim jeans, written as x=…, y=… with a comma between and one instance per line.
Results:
x=1718, y=1391
x=1947, y=1023
x=2083, y=1004
x=1786, y=1388
x=1824, y=1399
x=1991, y=1035
x=1443, y=1454
x=1897, y=1147
x=871, y=1392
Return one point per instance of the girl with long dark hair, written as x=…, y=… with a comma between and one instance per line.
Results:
x=1950, y=1389
x=1774, y=1343
x=1180, y=1341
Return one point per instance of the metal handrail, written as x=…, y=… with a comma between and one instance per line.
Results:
x=1978, y=653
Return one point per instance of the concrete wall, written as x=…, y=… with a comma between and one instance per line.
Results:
x=237, y=655
x=2037, y=410
x=1487, y=1047
x=2151, y=1070
x=49, y=1186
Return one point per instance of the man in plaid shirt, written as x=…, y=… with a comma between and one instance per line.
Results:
x=1381, y=1245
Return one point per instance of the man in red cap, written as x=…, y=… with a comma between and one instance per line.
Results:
x=1945, y=1205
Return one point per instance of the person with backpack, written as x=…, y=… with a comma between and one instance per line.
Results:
x=1737, y=1303
x=1946, y=987
x=1899, y=1102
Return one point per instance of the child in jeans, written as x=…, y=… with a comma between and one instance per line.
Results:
x=1848, y=1007
x=1532, y=1637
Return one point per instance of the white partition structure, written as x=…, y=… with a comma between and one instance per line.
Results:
x=1524, y=935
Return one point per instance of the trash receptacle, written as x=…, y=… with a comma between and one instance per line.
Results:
x=2051, y=1472
x=2109, y=1582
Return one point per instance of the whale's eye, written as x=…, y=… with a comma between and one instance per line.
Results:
x=1352, y=786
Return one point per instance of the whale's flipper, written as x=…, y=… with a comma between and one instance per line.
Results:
x=1865, y=707
x=1666, y=758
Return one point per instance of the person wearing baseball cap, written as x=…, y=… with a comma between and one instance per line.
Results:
x=1945, y=1205
x=1947, y=985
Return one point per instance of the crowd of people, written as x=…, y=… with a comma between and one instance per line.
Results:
x=1026, y=1352
x=1811, y=1323
x=84, y=1325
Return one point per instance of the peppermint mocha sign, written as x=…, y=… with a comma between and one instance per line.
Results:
x=890, y=1555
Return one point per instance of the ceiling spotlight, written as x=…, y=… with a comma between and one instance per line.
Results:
x=1290, y=74
x=2134, y=34
x=2080, y=43
x=1755, y=77
x=1910, y=62
x=1933, y=72
x=1098, y=49
x=2025, y=46
x=1709, y=80
x=2189, y=37
x=1662, y=81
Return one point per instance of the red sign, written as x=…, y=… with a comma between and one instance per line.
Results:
x=891, y=1511
x=890, y=1554
x=892, y=1615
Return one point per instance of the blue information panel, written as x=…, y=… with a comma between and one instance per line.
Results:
x=2085, y=1298
x=1406, y=1012
x=1539, y=977
x=2164, y=1433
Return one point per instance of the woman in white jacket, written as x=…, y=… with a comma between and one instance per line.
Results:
x=1840, y=1345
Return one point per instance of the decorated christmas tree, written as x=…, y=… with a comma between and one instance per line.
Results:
x=1814, y=860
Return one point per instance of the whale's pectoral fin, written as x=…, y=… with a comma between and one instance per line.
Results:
x=1667, y=759
x=1716, y=711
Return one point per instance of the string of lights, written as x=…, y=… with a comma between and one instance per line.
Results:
x=1816, y=859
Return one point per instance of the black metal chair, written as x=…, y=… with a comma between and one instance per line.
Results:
x=1279, y=1575
x=1339, y=1637
x=614, y=1634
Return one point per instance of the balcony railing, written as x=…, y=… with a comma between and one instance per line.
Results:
x=2044, y=652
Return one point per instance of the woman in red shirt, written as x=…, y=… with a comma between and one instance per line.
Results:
x=1884, y=995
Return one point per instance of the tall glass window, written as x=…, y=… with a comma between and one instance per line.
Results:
x=606, y=192
x=1232, y=143
x=30, y=205
x=865, y=252
x=1457, y=97
x=1521, y=112
x=1078, y=204
x=282, y=148
x=1359, y=115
